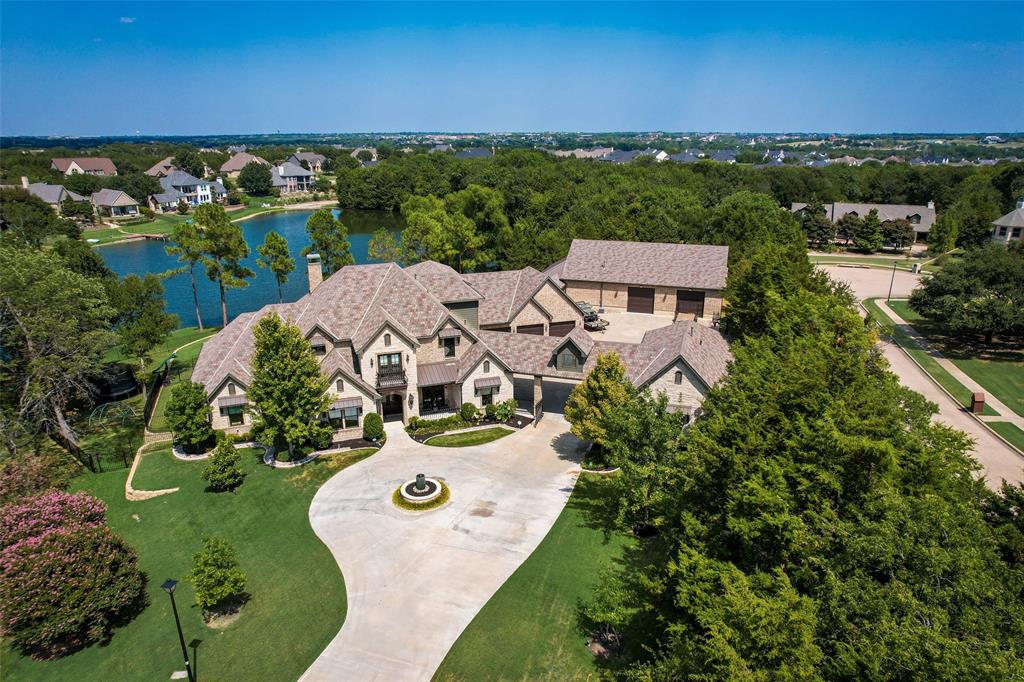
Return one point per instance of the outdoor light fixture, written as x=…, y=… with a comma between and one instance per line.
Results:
x=412, y=399
x=169, y=586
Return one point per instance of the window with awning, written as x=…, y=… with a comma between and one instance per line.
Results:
x=487, y=385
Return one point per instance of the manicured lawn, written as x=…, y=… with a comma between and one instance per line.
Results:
x=528, y=630
x=181, y=370
x=297, y=592
x=927, y=362
x=163, y=223
x=1010, y=432
x=998, y=368
x=461, y=440
x=901, y=263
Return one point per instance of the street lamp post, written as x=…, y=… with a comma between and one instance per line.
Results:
x=168, y=587
x=891, y=280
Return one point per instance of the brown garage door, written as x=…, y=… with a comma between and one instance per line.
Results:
x=641, y=300
x=537, y=329
x=560, y=328
x=690, y=302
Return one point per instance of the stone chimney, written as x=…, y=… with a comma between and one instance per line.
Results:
x=24, y=182
x=313, y=270
x=931, y=204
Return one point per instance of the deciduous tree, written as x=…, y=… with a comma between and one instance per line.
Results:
x=256, y=179
x=188, y=416
x=216, y=575
x=329, y=238
x=140, y=323
x=594, y=400
x=223, y=471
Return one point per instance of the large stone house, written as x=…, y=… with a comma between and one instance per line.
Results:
x=233, y=166
x=682, y=281
x=114, y=203
x=421, y=341
x=921, y=218
x=288, y=178
x=309, y=160
x=180, y=185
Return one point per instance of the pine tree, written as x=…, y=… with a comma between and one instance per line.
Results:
x=224, y=469
x=868, y=237
x=329, y=238
x=188, y=246
x=274, y=256
x=224, y=249
x=384, y=248
x=288, y=392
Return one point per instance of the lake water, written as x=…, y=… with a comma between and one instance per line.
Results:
x=149, y=256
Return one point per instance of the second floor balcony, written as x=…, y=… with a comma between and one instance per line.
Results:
x=391, y=376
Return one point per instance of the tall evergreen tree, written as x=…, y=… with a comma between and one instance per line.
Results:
x=287, y=394
x=189, y=245
x=224, y=249
x=384, y=248
x=274, y=256
x=868, y=237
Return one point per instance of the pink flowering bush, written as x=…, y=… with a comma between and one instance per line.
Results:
x=65, y=578
x=40, y=514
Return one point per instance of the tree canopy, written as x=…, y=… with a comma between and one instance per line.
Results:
x=274, y=256
x=256, y=179
x=329, y=238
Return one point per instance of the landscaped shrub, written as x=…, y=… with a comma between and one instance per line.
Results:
x=491, y=411
x=431, y=426
x=468, y=412
x=224, y=470
x=373, y=427
x=27, y=473
x=216, y=575
x=48, y=512
x=188, y=416
x=66, y=577
x=505, y=410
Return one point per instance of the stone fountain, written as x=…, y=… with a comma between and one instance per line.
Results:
x=421, y=489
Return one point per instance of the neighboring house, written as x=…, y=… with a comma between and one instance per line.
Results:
x=686, y=156
x=181, y=185
x=373, y=152
x=314, y=162
x=626, y=156
x=236, y=148
x=683, y=281
x=474, y=153
x=88, y=165
x=920, y=217
x=162, y=169
x=54, y=195
x=724, y=155
x=233, y=166
x=411, y=342
x=592, y=153
x=440, y=149
x=290, y=177
x=114, y=203
x=1010, y=227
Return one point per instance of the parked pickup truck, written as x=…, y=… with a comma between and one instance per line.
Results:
x=589, y=314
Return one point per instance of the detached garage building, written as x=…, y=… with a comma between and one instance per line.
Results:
x=682, y=281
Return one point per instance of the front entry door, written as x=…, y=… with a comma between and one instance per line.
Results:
x=391, y=406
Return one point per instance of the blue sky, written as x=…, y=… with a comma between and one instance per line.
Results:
x=88, y=68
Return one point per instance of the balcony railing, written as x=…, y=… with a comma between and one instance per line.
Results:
x=389, y=377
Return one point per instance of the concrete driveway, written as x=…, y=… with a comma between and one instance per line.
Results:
x=416, y=580
x=629, y=327
x=874, y=282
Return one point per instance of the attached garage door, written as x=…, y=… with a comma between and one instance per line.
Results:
x=537, y=329
x=560, y=328
x=641, y=300
x=690, y=302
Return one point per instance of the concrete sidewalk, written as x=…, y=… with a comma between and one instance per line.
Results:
x=1005, y=413
x=415, y=580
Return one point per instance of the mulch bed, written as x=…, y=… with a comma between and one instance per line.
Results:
x=356, y=444
x=513, y=423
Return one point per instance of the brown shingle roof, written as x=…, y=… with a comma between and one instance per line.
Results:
x=704, y=349
x=505, y=293
x=443, y=282
x=885, y=212
x=240, y=161
x=89, y=164
x=694, y=266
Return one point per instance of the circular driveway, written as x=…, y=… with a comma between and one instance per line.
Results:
x=416, y=579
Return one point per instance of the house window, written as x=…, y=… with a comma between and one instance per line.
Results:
x=235, y=414
x=387, y=339
x=320, y=349
x=231, y=389
x=347, y=418
x=915, y=219
x=679, y=377
x=1016, y=233
x=1002, y=231
x=486, y=398
x=449, y=347
x=487, y=366
x=340, y=386
x=569, y=360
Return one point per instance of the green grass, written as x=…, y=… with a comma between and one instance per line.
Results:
x=528, y=630
x=163, y=223
x=297, y=592
x=901, y=263
x=181, y=370
x=960, y=392
x=998, y=368
x=1010, y=432
x=440, y=500
x=467, y=438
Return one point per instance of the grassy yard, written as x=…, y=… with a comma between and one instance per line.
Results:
x=181, y=370
x=163, y=223
x=1010, y=432
x=998, y=368
x=944, y=378
x=528, y=630
x=461, y=440
x=875, y=261
x=297, y=592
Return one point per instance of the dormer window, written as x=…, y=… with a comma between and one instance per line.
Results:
x=679, y=377
x=319, y=350
x=915, y=219
x=340, y=386
x=569, y=359
x=487, y=366
x=387, y=339
x=231, y=388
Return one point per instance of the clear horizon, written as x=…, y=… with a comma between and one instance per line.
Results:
x=125, y=69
